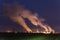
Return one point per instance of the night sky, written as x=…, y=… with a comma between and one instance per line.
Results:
x=47, y=9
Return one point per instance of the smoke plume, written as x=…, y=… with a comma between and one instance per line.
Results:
x=17, y=14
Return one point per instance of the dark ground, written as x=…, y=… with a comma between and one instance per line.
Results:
x=29, y=36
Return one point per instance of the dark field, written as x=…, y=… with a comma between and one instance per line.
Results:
x=29, y=36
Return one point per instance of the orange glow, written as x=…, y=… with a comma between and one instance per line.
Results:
x=8, y=31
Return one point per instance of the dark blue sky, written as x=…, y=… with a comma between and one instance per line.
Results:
x=47, y=9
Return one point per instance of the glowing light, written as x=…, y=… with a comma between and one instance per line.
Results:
x=37, y=31
x=8, y=31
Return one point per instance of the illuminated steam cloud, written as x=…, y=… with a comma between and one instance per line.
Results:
x=17, y=14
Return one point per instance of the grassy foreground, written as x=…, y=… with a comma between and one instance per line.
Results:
x=28, y=36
